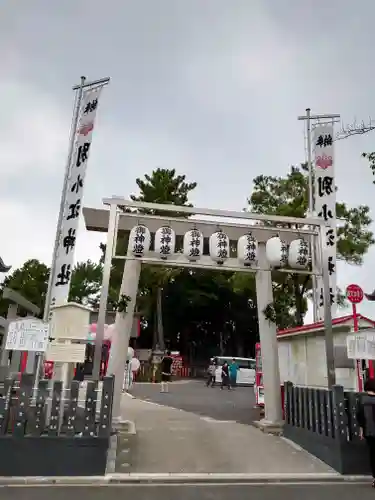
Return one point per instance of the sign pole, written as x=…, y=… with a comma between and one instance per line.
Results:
x=63, y=197
x=47, y=305
x=354, y=294
x=80, y=141
x=309, y=118
x=358, y=361
x=311, y=211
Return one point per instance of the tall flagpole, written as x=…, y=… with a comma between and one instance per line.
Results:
x=315, y=293
x=73, y=130
x=308, y=118
x=47, y=304
x=79, y=89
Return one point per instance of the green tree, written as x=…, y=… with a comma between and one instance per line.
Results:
x=288, y=196
x=205, y=315
x=30, y=280
x=371, y=159
x=163, y=186
x=166, y=187
x=86, y=283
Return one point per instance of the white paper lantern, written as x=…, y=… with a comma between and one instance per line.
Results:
x=247, y=250
x=219, y=247
x=165, y=242
x=299, y=254
x=139, y=240
x=193, y=245
x=277, y=252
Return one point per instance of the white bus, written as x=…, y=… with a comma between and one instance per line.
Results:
x=246, y=372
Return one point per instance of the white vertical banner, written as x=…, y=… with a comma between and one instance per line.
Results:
x=74, y=197
x=325, y=205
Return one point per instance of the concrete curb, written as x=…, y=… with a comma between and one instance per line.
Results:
x=125, y=431
x=213, y=478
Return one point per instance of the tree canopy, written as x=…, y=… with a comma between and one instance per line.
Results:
x=288, y=196
x=164, y=186
x=31, y=280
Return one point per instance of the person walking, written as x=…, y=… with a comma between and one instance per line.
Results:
x=233, y=369
x=366, y=421
x=225, y=380
x=166, y=371
x=211, y=371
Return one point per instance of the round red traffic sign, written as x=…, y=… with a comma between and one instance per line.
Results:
x=354, y=294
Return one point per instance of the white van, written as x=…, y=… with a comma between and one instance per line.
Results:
x=246, y=372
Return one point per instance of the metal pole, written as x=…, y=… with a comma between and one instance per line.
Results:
x=328, y=332
x=63, y=197
x=315, y=293
x=357, y=361
x=93, y=83
x=104, y=291
x=47, y=304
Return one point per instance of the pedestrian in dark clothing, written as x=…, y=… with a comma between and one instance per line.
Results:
x=225, y=380
x=166, y=371
x=366, y=421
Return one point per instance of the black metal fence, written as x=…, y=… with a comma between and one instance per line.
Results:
x=48, y=434
x=324, y=423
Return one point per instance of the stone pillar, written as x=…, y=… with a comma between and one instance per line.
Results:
x=11, y=315
x=123, y=328
x=16, y=355
x=268, y=343
x=30, y=365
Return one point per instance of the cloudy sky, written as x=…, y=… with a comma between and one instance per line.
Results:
x=212, y=88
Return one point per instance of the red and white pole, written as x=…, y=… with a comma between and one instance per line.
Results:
x=354, y=294
x=358, y=361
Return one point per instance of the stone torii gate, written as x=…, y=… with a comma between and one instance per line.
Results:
x=235, y=225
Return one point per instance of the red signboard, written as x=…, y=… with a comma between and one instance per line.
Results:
x=354, y=294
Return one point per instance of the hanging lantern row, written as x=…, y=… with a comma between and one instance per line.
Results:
x=278, y=253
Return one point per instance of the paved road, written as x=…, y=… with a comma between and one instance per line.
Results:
x=193, y=396
x=191, y=492
x=170, y=440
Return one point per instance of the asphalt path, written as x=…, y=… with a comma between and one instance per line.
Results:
x=193, y=396
x=191, y=492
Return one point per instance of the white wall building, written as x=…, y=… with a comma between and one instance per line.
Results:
x=302, y=355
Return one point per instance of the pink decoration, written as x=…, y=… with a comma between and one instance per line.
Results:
x=324, y=161
x=108, y=331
